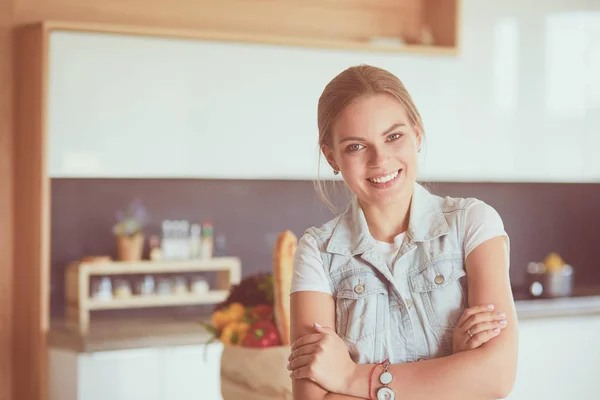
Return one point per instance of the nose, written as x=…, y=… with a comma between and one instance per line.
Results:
x=377, y=157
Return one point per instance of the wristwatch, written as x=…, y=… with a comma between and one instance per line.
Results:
x=385, y=393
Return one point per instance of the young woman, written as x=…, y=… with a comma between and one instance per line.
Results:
x=405, y=294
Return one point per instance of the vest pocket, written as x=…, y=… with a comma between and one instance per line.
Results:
x=361, y=301
x=441, y=287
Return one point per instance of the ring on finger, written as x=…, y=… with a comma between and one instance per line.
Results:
x=469, y=332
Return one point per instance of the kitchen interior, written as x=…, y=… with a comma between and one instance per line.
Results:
x=157, y=162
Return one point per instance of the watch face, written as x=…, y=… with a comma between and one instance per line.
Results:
x=385, y=394
x=385, y=378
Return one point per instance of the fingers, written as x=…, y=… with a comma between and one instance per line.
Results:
x=478, y=325
x=313, y=337
x=312, y=348
x=469, y=312
x=484, y=327
x=488, y=326
x=482, y=317
x=299, y=362
x=482, y=337
x=307, y=339
x=302, y=373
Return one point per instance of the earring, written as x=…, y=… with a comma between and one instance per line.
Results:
x=335, y=172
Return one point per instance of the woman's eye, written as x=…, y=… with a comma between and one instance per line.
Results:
x=354, y=147
x=395, y=136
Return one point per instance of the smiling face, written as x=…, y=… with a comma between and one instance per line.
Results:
x=375, y=146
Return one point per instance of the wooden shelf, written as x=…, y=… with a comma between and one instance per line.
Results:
x=158, y=267
x=77, y=281
x=312, y=24
x=212, y=297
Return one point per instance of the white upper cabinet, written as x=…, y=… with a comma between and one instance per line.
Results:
x=521, y=102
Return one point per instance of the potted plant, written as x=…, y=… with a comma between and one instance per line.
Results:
x=129, y=231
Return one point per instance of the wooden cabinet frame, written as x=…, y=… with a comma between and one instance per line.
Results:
x=32, y=182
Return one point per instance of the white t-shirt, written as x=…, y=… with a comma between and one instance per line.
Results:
x=482, y=223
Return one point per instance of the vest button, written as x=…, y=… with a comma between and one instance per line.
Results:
x=439, y=279
x=359, y=288
x=408, y=303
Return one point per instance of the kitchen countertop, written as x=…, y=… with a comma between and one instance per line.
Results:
x=583, y=301
x=127, y=333
x=120, y=334
x=560, y=307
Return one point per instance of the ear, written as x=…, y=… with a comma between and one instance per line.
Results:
x=419, y=136
x=328, y=153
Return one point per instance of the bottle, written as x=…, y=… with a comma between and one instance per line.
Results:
x=195, y=241
x=180, y=239
x=207, y=241
x=167, y=239
x=155, y=248
x=184, y=240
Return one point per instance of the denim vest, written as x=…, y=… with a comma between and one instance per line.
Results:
x=408, y=315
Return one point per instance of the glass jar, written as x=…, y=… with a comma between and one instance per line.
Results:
x=164, y=286
x=145, y=286
x=198, y=284
x=180, y=285
x=122, y=288
x=101, y=288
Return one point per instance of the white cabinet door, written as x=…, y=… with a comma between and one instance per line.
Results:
x=559, y=358
x=63, y=374
x=126, y=106
x=121, y=375
x=169, y=373
x=193, y=372
x=519, y=103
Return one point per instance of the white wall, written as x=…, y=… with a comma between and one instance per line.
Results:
x=520, y=103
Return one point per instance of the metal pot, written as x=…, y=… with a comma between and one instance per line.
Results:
x=545, y=284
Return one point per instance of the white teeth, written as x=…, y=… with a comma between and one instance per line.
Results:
x=384, y=179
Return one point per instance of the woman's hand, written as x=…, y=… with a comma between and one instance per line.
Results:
x=323, y=358
x=476, y=326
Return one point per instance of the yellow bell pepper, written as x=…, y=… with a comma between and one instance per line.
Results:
x=234, y=333
x=233, y=312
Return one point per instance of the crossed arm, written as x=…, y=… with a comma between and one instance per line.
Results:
x=485, y=373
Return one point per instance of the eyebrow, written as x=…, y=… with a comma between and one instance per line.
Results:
x=388, y=130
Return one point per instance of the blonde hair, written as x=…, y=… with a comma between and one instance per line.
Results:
x=350, y=85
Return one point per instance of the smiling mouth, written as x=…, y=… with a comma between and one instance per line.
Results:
x=384, y=178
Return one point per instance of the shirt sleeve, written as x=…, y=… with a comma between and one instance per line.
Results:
x=482, y=223
x=309, y=272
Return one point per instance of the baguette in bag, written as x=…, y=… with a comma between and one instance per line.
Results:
x=283, y=264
